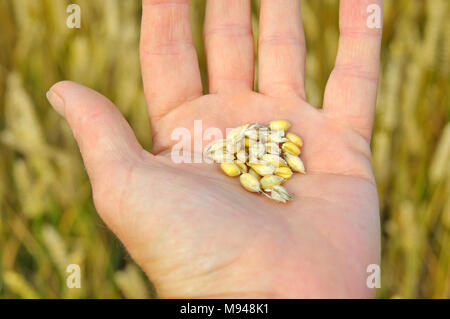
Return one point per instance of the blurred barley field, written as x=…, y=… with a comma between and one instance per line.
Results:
x=47, y=218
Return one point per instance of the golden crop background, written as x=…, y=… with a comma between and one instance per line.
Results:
x=47, y=219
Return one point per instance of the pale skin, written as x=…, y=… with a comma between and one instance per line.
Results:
x=196, y=232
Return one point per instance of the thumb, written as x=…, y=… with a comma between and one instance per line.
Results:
x=102, y=133
x=107, y=143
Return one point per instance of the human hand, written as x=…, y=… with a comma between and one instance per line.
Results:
x=196, y=232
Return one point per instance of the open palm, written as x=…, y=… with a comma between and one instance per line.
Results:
x=196, y=232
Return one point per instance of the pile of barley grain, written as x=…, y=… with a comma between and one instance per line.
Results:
x=263, y=157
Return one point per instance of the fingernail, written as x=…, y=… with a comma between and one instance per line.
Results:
x=56, y=101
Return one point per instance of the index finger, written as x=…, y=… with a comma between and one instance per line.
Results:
x=168, y=57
